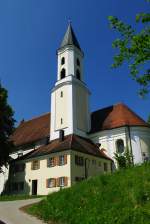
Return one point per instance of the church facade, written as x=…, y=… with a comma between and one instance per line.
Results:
x=58, y=149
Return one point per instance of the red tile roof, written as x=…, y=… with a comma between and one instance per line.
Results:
x=113, y=117
x=70, y=142
x=32, y=130
x=108, y=118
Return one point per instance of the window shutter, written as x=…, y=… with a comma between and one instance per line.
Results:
x=57, y=182
x=54, y=182
x=66, y=181
x=32, y=165
x=48, y=162
x=65, y=159
x=46, y=183
x=57, y=161
x=38, y=164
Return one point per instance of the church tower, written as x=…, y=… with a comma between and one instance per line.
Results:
x=70, y=96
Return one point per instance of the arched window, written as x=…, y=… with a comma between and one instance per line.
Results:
x=63, y=61
x=78, y=74
x=120, y=146
x=62, y=73
x=78, y=62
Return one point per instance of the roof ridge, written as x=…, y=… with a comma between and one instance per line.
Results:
x=103, y=108
x=34, y=118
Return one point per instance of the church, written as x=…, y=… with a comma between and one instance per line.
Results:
x=71, y=143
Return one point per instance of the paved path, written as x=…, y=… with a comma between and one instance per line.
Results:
x=10, y=213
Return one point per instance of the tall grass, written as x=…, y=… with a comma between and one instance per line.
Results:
x=119, y=198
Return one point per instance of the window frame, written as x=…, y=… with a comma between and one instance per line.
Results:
x=62, y=184
x=79, y=160
x=51, y=162
x=105, y=166
x=78, y=74
x=61, y=162
x=51, y=182
x=117, y=146
x=62, y=73
x=35, y=167
x=78, y=62
x=62, y=60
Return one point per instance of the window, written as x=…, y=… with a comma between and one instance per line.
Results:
x=120, y=146
x=51, y=182
x=78, y=74
x=78, y=62
x=105, y=167
x=61, y=160
x=62, y=73
x=51, y=162
x=62, y=181
x=35, y=165
x=63, y=61
x=61, y=94
x=79, y=160
x=94, y=162
x=61, y=121
x=99, y=164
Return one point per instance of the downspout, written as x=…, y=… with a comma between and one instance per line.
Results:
x=130, y=143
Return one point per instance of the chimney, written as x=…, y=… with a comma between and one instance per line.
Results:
x=61, y=135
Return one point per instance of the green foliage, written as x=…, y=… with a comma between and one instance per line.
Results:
x=148, y=120
x=124, y=160
x=134, y=47
x=17, y=197
x=6, y=127
x=119, y=198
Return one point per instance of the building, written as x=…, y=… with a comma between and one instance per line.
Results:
x=65, y=146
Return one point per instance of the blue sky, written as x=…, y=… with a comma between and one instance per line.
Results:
x=31, y=31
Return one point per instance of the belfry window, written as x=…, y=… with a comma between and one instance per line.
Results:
x=62, y=73
x=78, y=74
x=63, y=61
x=61, y=121
x=78, y=62
x=120, y=146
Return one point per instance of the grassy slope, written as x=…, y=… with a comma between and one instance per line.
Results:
x=120, y=198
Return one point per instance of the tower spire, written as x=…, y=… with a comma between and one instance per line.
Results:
x=70, y=38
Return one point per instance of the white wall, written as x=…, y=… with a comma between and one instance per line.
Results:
x=69, y=170
x=140, y=141
x=42, y=174
x=14, y=155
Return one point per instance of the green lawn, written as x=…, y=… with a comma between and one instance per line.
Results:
x=16, y=197
x=119, y=198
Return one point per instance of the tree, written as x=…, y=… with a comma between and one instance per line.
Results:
x=134, y=48
x=148, y=120
x=124, y=160
x=6, y=127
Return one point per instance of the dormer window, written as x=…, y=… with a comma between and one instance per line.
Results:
x=63, y=61
x=78, y=62
x=62, y=73
x=78, y=74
